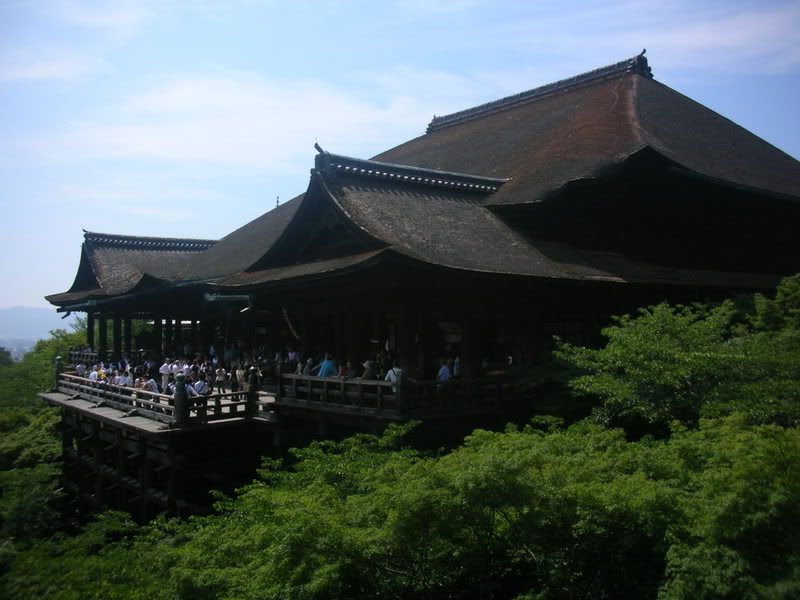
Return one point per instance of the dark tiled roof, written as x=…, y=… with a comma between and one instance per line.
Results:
x=336, y=164
x=637, y=64
x=116, y=264
x=242, y=248
x=146, y=243
x=294, y=271
x=441, y=227
x=427, y=199
x=579, y=130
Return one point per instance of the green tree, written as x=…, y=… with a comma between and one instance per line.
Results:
x=685, y=362
x=5, y=357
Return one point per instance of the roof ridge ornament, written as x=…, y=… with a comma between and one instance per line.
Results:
x=637, y=64
x=335, y=164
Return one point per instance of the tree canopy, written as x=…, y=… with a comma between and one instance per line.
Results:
x=703, y=502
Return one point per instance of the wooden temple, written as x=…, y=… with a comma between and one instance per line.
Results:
x=535, y=215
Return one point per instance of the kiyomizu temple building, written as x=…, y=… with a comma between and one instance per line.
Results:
x=538, y=214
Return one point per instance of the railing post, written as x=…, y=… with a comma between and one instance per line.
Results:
x=278, y=382
x=181, y=404
x=59, y=370
x=402, y=399
x=252, y=393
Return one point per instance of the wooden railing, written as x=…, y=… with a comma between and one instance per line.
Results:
x=156, y=406
x=358, y=395
x=407, y=399
x=462, y=396
x=410, y=398
x=87, y=357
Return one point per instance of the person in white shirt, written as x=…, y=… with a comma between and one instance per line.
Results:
x=94, y=374
x=165, y=370
x=81, y=369
x=221, y=375
x=394, y=375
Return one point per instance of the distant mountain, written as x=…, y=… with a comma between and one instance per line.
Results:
x=28, y=323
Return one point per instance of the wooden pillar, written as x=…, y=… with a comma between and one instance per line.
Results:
x=144, y=479
x=406, y=342
x=90, y=330
x=174, y=493
x=205, y=335
x=471, y=346
x=121, y=461
x=350, y=350
x=127, y=334
x=339, y=341
x=181, y=403
x=169, y=345
x=306, y=347
x=158, y=346
x=97, y=455
x=102, y=348
x=117, y=331
x=193, y=340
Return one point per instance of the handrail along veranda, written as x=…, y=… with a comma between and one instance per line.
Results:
x=153, y=405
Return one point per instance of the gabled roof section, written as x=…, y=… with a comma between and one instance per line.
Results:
x=579, y=127
x=637, y=64
x=435, y=223
x=115, y=264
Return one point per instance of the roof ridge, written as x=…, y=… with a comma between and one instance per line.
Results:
x=637, y=64
x=333, y=164
x=147, y=242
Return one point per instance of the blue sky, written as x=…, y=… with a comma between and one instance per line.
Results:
x=189, y=118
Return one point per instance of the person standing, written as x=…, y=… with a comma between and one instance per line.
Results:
x=394, y=374
x=444, y=372
x=220, y=381
x=165, y=371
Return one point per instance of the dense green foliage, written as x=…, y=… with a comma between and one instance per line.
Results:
x=577, y=513
x=706, y=506
x=5, y=357
x=688, y=362
x=30, y=495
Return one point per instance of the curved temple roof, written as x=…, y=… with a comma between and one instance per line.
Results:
x=115, y=264
x=432, y=198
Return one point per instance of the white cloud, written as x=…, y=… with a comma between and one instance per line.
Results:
x=47, y=64
x=242, y=120
x=120, y=16
x=689, y=36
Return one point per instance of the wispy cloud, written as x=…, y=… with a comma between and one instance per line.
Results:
x=736, y=37
x=120, y=16
x=242, y=119
x=47, y=64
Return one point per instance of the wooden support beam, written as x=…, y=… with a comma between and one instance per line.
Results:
x=102, y=342
x=90, y=330
x=169, y=346
x=158, y=349
x=144, y=480
x=117, y=334
x=127, y=335
x=193, y=338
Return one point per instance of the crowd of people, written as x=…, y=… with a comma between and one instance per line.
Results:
x=204, y=376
